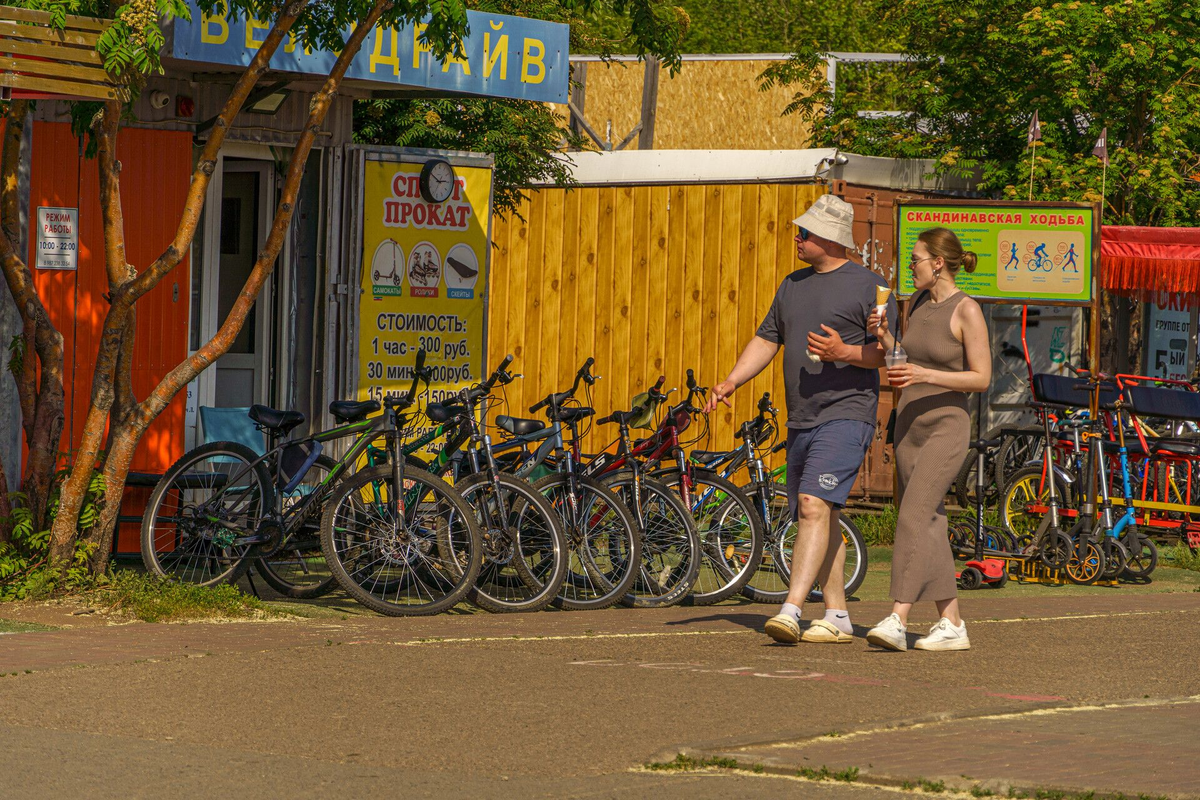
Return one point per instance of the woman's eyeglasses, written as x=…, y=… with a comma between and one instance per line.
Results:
x=915, y=261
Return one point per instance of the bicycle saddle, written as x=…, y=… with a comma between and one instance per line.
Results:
x=352, y=410
x=443, y=413
x=519, y=427
x=575, y=413
x=707, y=455
x=279, y=422
x=1174, y=447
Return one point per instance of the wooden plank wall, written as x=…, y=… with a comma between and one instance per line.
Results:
x=649, y=280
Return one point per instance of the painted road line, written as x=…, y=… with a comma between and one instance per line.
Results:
x=667, y=634
x=1004, y=715
x=565, y=638
x=1084, y=616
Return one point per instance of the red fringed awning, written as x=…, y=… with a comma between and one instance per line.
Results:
x=1158, y=265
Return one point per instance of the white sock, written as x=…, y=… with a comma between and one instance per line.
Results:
x=794, y=610
x=839, y=620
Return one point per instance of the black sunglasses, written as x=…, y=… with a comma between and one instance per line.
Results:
x=804, y=234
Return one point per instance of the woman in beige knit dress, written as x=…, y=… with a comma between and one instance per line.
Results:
x=948, y=356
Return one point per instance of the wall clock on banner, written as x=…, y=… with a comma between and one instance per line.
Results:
x=437, y=180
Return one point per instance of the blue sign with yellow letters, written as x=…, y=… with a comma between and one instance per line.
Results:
x=505, y=56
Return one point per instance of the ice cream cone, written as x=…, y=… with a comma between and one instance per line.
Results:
x=881, y=297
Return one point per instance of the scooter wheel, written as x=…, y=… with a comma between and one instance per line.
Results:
x=1001, y=581
x=970, y=578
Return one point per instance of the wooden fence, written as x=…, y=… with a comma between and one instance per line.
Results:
x=648, y=280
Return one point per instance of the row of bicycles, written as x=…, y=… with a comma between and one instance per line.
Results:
x=428, y=505
x=1114, y=461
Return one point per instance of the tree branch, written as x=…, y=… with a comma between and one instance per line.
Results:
x=110, y=195
x=127, y=293
x=125, y=441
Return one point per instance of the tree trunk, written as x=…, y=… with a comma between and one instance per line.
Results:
x=124, y=442
x=42, y=412
x=126, y=289
x=5, y=508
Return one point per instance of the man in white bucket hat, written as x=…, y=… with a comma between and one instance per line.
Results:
x=831, y=371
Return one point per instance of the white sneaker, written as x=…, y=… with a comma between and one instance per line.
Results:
x=889, y=634
x=944, y=636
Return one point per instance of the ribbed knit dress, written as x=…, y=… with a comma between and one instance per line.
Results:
x=933, y=429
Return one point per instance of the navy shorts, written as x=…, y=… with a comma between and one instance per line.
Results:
x=824, y=461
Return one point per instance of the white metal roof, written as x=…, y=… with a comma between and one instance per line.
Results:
x=630, y=167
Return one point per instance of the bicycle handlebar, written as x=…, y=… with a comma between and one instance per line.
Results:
x=420, y=373
x=554, y=400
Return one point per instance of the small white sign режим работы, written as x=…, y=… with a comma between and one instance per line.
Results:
x=58, y=238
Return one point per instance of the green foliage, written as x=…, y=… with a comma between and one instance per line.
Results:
x=25, y=571
x=16, y=355
x=131, y=44
x=978, y=72
x=522, y=136
x=764, y=26
x=1181, y=556
x=153, y=599
x=847, y=775
x=878, y=530
x=686, y=763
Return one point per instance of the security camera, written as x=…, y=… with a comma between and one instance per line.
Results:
x=159, y=99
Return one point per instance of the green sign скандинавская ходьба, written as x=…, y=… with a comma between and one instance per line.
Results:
x=1028, y=252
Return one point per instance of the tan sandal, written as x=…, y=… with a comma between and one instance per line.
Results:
x=823, y=632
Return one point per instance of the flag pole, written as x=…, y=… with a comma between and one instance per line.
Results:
x=1032, y=138
x=1032, y=154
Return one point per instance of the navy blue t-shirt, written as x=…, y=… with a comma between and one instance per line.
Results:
x=842, y=299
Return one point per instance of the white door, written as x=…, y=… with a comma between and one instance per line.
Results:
x=241, y=375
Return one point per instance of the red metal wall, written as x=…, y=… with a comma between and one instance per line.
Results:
x=156, y=168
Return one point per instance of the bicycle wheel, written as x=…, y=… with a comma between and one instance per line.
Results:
x=604, y=549
x=418, y=562
x=670, y=545
x=1016, y=451
x=524, y=549
x=299, y=570
x=1143, y=555
x=209, y=498
x=731, y=534
x=1029, y=489
x=1115, y=557
x=1085, y=568
x=770, y=583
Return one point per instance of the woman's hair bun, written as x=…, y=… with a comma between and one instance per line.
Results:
x=969, y=260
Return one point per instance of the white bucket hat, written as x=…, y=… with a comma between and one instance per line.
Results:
x=830, y=218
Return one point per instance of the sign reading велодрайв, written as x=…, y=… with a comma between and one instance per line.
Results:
x=505, y=56
x=1027, y=252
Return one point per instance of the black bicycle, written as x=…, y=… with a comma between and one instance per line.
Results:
x=524, y=546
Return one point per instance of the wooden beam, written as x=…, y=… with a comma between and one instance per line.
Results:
x=56, y=69
x=649, y=103
x=73, y=21
x=587, y=128
x=77, y=55
x=19, y=30
x=50, y=86
x=629, y=137
x=578, y=95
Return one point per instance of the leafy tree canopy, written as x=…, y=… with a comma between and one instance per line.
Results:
x=980, y=70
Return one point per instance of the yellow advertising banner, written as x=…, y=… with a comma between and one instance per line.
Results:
x=424, y=279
